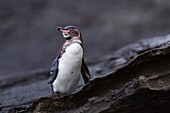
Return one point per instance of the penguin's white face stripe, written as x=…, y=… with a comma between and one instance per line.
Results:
x=65, y=35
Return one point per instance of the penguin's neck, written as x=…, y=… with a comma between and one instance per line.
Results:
x=75, y=39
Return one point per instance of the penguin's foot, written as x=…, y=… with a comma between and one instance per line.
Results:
x=56, y=94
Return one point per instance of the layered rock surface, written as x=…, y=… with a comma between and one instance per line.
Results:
x=135, y=78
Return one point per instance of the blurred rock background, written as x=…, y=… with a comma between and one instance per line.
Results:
x=29, y=40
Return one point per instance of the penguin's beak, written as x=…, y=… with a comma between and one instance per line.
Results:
x=59, y=28
x=63, y=30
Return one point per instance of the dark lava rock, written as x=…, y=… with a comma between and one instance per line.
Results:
x=123, y=90
x=120, y=83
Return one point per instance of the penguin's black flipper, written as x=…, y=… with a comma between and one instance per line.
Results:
x=85, y=72
x=53, y=71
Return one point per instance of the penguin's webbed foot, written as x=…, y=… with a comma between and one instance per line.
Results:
x=56, y=94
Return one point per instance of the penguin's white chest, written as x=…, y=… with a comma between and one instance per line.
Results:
x=69, y=69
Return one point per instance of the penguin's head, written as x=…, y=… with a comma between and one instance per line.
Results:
x=70, y=32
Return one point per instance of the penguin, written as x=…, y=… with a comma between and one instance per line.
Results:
x=66, y=68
